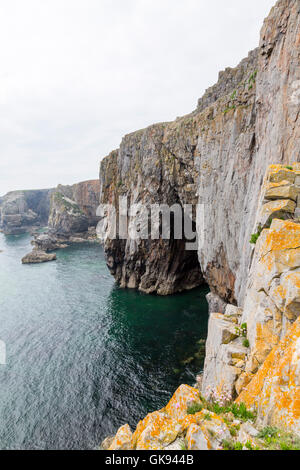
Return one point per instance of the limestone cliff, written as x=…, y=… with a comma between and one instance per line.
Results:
x=72, y=219
x=217, y=156
x=238, y=154
x=253, y=352
x=73, y=208
x=20, y=211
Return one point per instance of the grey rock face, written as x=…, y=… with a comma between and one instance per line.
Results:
x=66, y=217
x=217, y=156
x=225, y=356
x=73, y=208
x=22, y=210
x=215, y=303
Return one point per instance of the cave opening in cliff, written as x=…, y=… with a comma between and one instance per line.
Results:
x=184, y=261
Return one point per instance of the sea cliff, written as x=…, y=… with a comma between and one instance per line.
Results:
x=238, y=155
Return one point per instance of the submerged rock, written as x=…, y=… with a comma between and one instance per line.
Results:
x=37, y=256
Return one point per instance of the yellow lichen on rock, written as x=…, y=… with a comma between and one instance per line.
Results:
x=156, y=431
x=181, y=400
x=207, y=434
x=275, y=389
x=123, y=439
x=279, y=173
x=282, y=190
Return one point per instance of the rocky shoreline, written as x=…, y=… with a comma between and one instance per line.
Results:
x=46, y=243
x=69, y=214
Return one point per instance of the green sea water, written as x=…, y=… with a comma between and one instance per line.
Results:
x=83, y=356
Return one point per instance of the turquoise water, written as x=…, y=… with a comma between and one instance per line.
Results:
x=83, y=356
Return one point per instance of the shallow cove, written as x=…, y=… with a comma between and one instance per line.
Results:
x=83, y=356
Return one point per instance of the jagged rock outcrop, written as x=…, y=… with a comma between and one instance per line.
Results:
x=189, y=422
x=72, y=219
x=73, y=208
x=21, y=211
x=172, y=428
x=216, y=156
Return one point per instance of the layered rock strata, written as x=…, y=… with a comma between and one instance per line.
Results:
x=72, y=219
x=73, y=208
x=22, y=211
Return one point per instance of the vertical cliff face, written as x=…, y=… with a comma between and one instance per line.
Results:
x=171, y=163
x=254, y=352
x=217, y=156
x=277, y=130
x=20, y=211
x=153, y=166
x=73, y=208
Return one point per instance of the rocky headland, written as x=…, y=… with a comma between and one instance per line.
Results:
x=24, y=211
x=71, y=219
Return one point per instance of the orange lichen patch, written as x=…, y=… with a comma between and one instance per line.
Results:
x=265, y=341
x=123, y=439
x=199, y=418
x=279, y=185
x=283, y=235
x=279, y=295
x=278, y=206
x=198, y=438
x=142, y=425
x=155, y=432
x=191, y=419
x=276, y=167
x=290, y=284
x=280, y=191
x=243, y=380
x=278, y=173
x=180, y=401
x=275, y=389
x=207, y=434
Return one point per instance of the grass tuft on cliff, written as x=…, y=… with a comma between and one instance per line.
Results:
x=275, y=439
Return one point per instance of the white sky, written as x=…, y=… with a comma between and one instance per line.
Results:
x=76, y=75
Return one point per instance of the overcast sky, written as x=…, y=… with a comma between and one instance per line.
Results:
x=76, y=75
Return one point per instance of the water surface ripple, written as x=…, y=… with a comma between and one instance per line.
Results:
x=83, y=356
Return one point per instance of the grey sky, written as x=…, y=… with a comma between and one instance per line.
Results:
x=76, y=75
